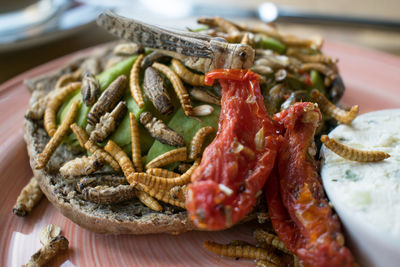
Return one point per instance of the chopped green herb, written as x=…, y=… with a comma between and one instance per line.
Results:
x=351, y=176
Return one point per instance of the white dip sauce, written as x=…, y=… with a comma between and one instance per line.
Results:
x=370, y=191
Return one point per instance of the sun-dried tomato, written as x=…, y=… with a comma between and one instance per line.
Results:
x=236, y=165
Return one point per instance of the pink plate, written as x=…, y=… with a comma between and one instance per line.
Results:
x=372, y=80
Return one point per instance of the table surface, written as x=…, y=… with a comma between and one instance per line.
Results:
x=16, y=62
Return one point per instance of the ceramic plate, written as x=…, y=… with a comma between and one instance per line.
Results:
x=372, y=80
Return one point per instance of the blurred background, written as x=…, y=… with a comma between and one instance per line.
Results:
x=33, y=32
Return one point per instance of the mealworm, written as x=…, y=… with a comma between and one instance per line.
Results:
x=330, y=109
x=127, y=49
x=242, y=251
x=178, y=154
x=162, y=173
x=353, y=154
x=155, y=91
x=123, y=160
x=28, y=198
x=262, y=236
x=135, y=142
x=154, y=56
x=100, y=153
x=264, y=263
x=58, y=136
x=149, y=201
x=48, y=251
x=178, y=192
x=180, y=90
x=316, y=58
x=54, y=104
x=90, y=89
x=186, y=75
x=80, y=134
x=327, y=71
x=108, y=123
x=100, y=180
x=202, y=94
x=164, y=196
x=136, y=90
x=104, y=194
x=108, y=99
x=313, y=42
x=37, y=105
x=164, y=183
x=160, y=131
x=183, y=167
x=198, y=140
x=225, y=25
x=81, y=166
x=68, y=78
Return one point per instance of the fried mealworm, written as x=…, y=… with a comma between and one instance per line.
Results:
x=91, y=65
x=202, y=94
x=108, y=123
x=164, y=183
x=245, y=39
x=103, y=194
x=100, y=180
x=155, y=91
x=353, y=154
x=123, y=160
x=93, y=148
x=242, y=251
x=127, y=49
x=48, y=251
x=108, y=99
x=81, y=166
x=180, y=90
x=197, y=142
x=149, y=201
x=80, y=134
x=56, y=140
x=327, y=71
x=37, y=105
x=225, y=25
x=316, y=58
x=54, y=104
x=330, y=109
x=178, y=154
x=28, y=198
x=183, y=167
x=262, y=236
x=68, y=78
x=186, y=75
x=90, y=89
x=164, y=196
x=159, y=131
x=264, y=263
x=178, y=192
x=136, y=90
x=202, y=110
x=135, y=141
x=162, y=173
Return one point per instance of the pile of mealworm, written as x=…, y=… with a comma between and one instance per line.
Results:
x=153, y=183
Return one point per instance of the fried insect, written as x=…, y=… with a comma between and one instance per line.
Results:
x=91, y=65
x=162, y=173
x=160, y=131
x=202, y=110
x=242, y=251
x=127, y=49
x=104, y=194
x=101, y=180
x=198, y=140
x=80, y=134
x=178, y=154
x=204, y=95
x=54, y=104
x=123, y=160
x=48, y=251
x=186, y=75
x=108, y=123
x=225, y=25
x=155, y=91
x=37, y=105
x=327, y=71
x=330, y=109
x=49, y=232
x=90, y=89
x=316, y=58
x=100, y=153
x=81, y=166
x=161, y=182
x=183, y=167
x=262, y=236
x=135, y=141
x=245, y=39
x=68, y=78
x=178, y=192
x=164, y=196
x=136, y=90
x=154, y=56
x=149, y=201
x=28, y=198
x=56, y=140
x=108, y=99
x=264, y=263
x=353, y=154
x=178, y=87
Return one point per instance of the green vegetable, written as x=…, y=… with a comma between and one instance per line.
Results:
x=273, y=44
x=317, y=82
x=351, y=176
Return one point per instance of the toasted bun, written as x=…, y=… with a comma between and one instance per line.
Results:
x=130, y=217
